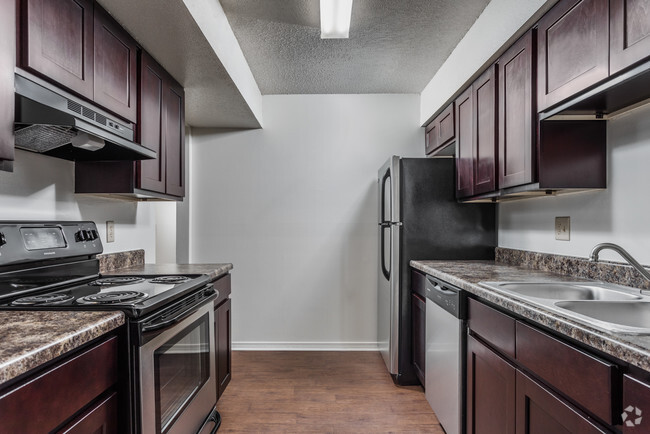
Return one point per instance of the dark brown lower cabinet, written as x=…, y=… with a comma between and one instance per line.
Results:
x=523, y=380
x=636, y=395
x=101, y=418
x=540, y=411
x=490, y=391
x=223, y=322
x=223, y=333
x=419, y=324
x=77, y=393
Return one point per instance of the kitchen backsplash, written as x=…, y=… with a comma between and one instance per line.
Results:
x=573, y=266
x=112, y=261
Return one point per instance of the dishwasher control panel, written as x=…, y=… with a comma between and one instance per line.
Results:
x=448, y=297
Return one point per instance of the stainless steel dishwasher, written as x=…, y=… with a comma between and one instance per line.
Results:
x=445, y=353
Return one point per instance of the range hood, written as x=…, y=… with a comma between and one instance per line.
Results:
x=53, y=122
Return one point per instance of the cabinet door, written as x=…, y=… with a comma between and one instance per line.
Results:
x=419, y=323
x=101, y=418
x=484, y=149
x=573, y=51
x=7, y=62
x=431, y=137
x=115, y=68
x=517, y=114
x=636, y=396
x=629, y=36
x=174, y=139
x=464, y=144
x=540, y=411
x=223, y=324
x=151, y=173
x=57, y=42
x=490, y=391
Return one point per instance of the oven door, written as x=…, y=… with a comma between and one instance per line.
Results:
x=177, y=374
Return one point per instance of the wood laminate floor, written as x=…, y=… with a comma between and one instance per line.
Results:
x=320, y=392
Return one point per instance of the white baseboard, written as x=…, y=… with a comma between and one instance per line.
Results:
x=304, y=346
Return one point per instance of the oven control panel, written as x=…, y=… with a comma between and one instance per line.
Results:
x=40, y=241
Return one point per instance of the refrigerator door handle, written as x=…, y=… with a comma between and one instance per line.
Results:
x=382, y=242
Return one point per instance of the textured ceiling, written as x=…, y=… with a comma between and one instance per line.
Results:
x=395, y=46
x=167, y=30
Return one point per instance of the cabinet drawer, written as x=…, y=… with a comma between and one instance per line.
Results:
x=636, y=394
x=566, y=369
x=494, y=327
x=43, y=403
x=418, y=283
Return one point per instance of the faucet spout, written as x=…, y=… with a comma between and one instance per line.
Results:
x=593, y=257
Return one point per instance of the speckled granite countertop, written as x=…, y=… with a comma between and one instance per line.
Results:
x=29, y=339
x=213, y=270
x=466, y=275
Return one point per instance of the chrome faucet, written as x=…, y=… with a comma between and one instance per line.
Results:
x=621, y=251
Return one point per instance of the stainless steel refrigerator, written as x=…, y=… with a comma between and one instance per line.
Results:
x=420, y=218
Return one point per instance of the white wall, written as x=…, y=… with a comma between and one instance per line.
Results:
x=500, y=24
x=618, y=214
x=293, y=207
x=42, y=188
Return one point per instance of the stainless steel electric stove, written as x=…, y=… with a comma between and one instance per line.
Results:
x=170, y=318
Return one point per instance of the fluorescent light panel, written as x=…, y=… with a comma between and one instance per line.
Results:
x=335, y=18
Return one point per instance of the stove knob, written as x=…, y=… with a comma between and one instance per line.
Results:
x=80, y=236
x=3, y=240
x=94, y=234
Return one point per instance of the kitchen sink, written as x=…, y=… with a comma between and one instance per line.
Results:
x=609, y=307
x=631, y=315
x=564, y=290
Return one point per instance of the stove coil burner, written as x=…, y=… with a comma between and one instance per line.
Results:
x=112, y=297
x=119, y=280
x=43, y=300
x=170, y=279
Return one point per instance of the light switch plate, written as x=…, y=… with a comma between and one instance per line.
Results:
x=110, y=231
x=563, y=228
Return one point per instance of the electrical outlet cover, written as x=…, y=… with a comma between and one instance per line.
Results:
x=110, y=231
x=563, y=228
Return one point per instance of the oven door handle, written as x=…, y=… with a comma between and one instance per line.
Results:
x=160, y=323
x=213, y=417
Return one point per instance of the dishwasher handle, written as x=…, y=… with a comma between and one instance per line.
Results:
x=448, y=297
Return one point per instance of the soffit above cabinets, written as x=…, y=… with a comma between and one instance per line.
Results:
x=395, y=46
x=167, y=30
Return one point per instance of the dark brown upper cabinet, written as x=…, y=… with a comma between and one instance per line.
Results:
x=57, y=42
x=7, y=62
x=573, y=49
x=76, y=44
x=485, y=129
x=629, y=38
x=440, y=132
x=476, y=137
x=517, y=113
x=464, y=144
x=162, y=129
x=115, y=57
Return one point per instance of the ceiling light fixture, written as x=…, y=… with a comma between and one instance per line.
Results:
x=335, y=19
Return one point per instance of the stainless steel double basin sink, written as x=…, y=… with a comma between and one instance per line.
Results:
x=605, y=306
